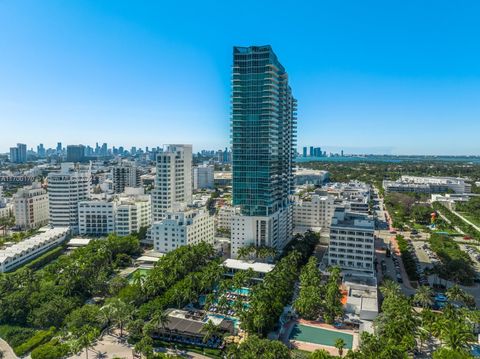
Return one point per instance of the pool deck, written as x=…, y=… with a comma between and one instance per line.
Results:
x=307, y=346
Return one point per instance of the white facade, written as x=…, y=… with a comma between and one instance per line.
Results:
x=272, y=231
x=427, y=185
x=181, y=228
x=132, y=214
x=352, y=246
x=123, y=215
x=173, y=181
x=30, y=248
x=96, y=217
x=314, y=213
x=224, y=217
x=65, y=190
x=31, y=207
x=203, y=177
x=308, y=176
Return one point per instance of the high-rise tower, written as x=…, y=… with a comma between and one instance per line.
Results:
x=263, y=147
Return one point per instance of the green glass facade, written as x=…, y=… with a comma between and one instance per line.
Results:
x=263, y=130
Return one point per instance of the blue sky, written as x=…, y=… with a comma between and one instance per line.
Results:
x=398, y=77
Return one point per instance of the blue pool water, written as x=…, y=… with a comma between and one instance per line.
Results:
x=475, y=351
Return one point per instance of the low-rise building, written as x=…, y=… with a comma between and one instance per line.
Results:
x=123, y=214
x=224, y=217
x=259, y=269
x=352, y=246
x=313, y=177
x=182, y=227
x=31, y=207
x=418, y=184
x=313, y=212
x=30, y=248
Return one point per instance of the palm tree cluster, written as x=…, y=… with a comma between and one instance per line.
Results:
x=256, y=252
x=315, y=299
x=400, y=329
x=268, y=298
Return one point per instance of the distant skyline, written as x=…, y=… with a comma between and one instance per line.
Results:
x=373, y=75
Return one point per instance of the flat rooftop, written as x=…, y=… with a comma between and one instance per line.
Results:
x=245, y=265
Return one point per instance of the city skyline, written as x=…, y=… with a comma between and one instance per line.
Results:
x=151, y=74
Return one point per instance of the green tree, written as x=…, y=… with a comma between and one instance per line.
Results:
x=340, y=344
x=254, y=348
x=144, y=347
x=423, y=296
x=320, y=354
x=210, y=330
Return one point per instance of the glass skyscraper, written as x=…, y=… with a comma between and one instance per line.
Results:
x=263, y=149
x=263, y=132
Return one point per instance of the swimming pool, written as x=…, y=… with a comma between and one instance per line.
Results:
x=305, y=333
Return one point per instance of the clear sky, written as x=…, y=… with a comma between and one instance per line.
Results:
x=399, y=77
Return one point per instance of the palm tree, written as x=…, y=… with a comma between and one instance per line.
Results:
x=86, y=337
x=160, y=319
x=456, y=335
x=455, y=293
x=390, y=288
x=340, y=344
x=118, y=311
x=210, y=330
x=423, y=296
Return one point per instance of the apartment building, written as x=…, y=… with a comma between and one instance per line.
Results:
x=133, y=213
x=123, y=214
x=96, y=217
x=203, y=177
x=352, y=242
x=30, y=248
x=31, y=207
x=173, y=180
x=314, y=212
x=125, y=175
x=182, y=227
x=65, y=190
x=418, y=184
x=224, y=217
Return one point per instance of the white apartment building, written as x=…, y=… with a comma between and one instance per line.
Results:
x=65, y=190
x=427, y=185
x=352, y=246
x=313, y=213
x=180, y=228
x=133, y=213
x=203, y=177
x=31, y=207
x=173, y=180
x=273, y=231
x=30, y=248
x=125, y=175
x=312, y=177
x=123, y=214
x=224, y=217
x=96, y=217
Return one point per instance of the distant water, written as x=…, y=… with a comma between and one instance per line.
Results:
x=391, y=159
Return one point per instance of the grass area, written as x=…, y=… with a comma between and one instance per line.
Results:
x=407, y=258
x=473, y=219
x=43, y=260
x=212, y=353
x=456, y=264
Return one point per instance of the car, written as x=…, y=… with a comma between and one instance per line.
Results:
x=393, y=232
x=467, y=238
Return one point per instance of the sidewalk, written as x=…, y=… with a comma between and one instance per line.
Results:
x=7, y=350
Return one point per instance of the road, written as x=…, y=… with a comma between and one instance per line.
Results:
x=386, y=240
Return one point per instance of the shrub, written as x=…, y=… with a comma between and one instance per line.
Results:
x=51, y=350
x=15, y=335
x=40, y=337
